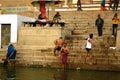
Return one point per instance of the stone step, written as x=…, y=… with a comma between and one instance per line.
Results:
x=103, y=61
x=33, y=49
x=94, y=5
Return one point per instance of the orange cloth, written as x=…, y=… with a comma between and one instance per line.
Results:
x=103, y=8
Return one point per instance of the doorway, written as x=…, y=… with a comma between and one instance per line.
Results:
x=5, y=34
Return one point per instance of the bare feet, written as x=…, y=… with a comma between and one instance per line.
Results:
x=91, y=63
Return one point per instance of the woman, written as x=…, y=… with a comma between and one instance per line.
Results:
x=11, y=54
x=103, y=5
x=89, y=49
x=115, y=21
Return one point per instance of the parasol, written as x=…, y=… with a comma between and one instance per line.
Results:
x=47, y=1
x=43, y=3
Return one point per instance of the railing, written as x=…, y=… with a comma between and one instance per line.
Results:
x=44, y=23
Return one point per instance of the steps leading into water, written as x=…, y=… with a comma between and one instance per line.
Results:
x=80, y=23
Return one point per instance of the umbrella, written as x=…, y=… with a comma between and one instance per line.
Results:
x=47, y=1
x=42, y=4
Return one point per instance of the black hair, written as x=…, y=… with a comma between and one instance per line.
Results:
x=60, y=37
x=115, y=14
x=91, y=35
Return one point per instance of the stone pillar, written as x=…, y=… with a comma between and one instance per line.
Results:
x=118, y=41
x=32, y=8
x=65, y=3
x=0, y=36
x=0, y=10
x=0, y=26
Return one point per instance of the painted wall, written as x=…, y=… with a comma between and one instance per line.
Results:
x=15, y=21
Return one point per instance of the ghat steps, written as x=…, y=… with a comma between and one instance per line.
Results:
x=80, y=24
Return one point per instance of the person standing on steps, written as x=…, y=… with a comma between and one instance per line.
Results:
x=57, y=50
x=103, y=7
x=79, y=5
x=99, y=24
x=115, y=22
x=11, y=54
x=89, y=49
x=110, y=4
x=64, y=54
x=116, y=4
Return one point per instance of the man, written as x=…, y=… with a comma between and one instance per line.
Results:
x=116, y=3
x=57, y=17
x=99, y=24
x=58, y=45
x=64, y=53
x=79, y=5
x=40, y=16
x=110, y=4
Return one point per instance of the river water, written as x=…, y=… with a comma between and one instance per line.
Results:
x=25, y=73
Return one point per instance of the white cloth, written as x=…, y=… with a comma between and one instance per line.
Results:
x=88, y=45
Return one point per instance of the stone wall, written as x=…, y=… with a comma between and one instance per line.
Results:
x=35, y=44
x=0, y=9
x=118, y=40
x=15, y=3
x=40, y=36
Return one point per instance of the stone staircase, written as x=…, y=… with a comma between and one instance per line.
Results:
x=93, y=5
x=37, y=48
x=81, y=24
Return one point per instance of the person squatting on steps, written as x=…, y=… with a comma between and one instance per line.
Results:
x=57, y=17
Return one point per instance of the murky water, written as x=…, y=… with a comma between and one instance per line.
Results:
x=24, y=73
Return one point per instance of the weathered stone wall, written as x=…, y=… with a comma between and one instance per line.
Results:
x=15, y=3
x=39, y=36
x=0, y=9
x=35, y=44
x=118, y=40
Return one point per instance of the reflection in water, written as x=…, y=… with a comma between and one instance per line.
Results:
x=64, y=75
x=60, y=75
x=25, y=73
x=11, y=73
x=7, y=73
